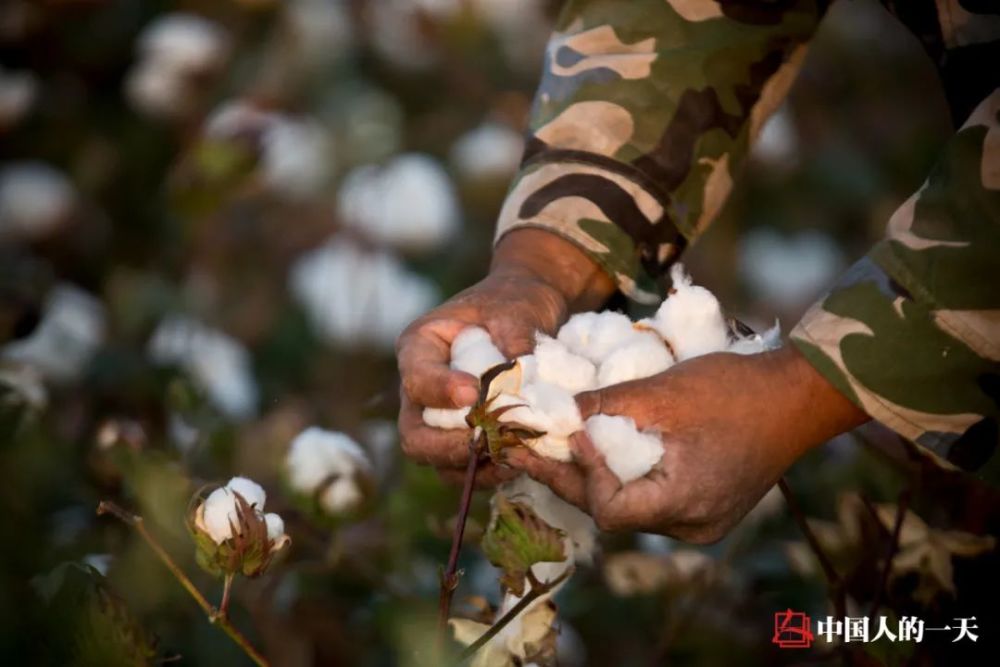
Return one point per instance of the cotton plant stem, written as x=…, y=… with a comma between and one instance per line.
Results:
x=449, y=578
x=537, y=590
x=227, y=588
x=215, y=616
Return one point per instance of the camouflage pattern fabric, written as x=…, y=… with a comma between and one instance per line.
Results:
x=911, y=333
x=645, y=112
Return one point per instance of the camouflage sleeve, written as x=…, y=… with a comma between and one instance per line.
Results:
x=911, y=333
x=644, y=112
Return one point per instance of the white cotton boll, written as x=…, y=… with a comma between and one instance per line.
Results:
x=629, y=453
x=215, y=361
x=275, y=526
x=396, y=34
x=473, y=352
x=220, y=515
x=528, y=364
x=769, y=340
x=355, y=297
x=157, y=90
x=490, y=151
x=185, y=41
x=552, y=447
x=556, y=365
x=548, y=408
x=71, y=330
x=251, y=491
x=296, y=156
x=690, y=319
x=342, y=496
x=645, y=356
x=35, y=199
x=316, y=455
x=445, y=418
x=595, y=335
x=320, y=31
x=409, y=203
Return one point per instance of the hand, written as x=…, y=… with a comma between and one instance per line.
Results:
x=536, y=280
x=731, y=426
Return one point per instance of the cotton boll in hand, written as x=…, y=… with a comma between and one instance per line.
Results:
x=645, y=356
x=556, y=365
x=596, y=335
x=690, y=319
x=547, y=408
x=629, y=453
x=446, y=418
x=473, y=352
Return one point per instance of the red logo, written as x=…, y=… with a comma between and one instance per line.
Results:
x=792, y=629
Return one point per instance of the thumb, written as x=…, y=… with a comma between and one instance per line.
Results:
x=590, y=402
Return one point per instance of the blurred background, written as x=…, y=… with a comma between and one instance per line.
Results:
x=216, y=217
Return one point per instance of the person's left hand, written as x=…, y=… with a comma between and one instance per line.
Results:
x=731, y=426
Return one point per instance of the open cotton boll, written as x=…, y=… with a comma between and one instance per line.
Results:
x=342, y=496
x=553, y=447
x=446, y=418
x=595, y=335
x=220, y=514
x=557, y=365
x=690, y=319
x=548, y=408
x=317, y=454
x=629, y=453
x=473, y=352
x=409, y=203
x=580, y=530
x=36, y=199
x=275, y=526
x=251, y=491
x=489, y=151
x=185, y=41
x=644, y=356
x=70, y=332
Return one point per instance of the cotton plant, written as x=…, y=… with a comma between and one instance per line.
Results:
x=530, y=401
x=328, y=473
x=18, y=94
x=233, y=535
x=358, y=296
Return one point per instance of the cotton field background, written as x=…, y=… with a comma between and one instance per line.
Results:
x=215, y=219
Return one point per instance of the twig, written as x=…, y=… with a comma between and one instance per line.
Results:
x=227, y=587
x=214, y=615
x=449, y=578
x=537, y=590
x=897, y=529
x=832, y=578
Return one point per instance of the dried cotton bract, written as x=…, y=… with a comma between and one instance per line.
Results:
x=330, y=468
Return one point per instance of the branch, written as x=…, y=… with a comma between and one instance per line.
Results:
x=449, y=578
x=537, y=590
x=897, y=529
x=214, y=616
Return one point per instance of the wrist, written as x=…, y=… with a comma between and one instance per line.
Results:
x=560, y=264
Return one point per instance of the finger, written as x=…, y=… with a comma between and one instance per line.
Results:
x=447, y=448
x=565, y=479
x=590, y=402
x=423, y=353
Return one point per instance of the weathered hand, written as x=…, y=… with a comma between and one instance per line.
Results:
x=535, y=281
x=731, y=426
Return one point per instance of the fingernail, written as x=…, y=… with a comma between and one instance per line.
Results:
x=464, y=395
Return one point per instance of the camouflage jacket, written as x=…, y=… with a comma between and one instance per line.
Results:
x=645, y=110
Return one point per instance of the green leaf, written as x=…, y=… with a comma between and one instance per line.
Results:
x=517, y=539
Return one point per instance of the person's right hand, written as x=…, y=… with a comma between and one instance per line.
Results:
x=536, y=281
